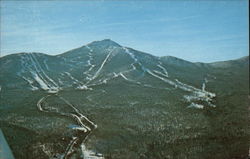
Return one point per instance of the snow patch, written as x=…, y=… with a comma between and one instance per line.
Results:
x=197, y=94
x=84, y=87
x=76, y=127
x=89, y=154
x=30, y=64
x=160, y=73
x=164, y=70
x=162, y=78
x=103, y=63
x=45, y=63
x=122, y=75
x=203, y=87
x=53, y=90
x=42, y=84
x=33, y=88
x=131, y=54
x=194, y=105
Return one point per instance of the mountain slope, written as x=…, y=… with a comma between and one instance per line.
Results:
x=96, y=64
x=145, y=106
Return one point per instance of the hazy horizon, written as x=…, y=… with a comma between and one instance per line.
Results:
x=195, y=31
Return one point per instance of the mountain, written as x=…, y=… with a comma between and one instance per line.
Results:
x=145, y=106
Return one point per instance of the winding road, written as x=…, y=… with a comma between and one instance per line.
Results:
x=85, y=125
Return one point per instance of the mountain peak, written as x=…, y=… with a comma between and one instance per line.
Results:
x=104, y=42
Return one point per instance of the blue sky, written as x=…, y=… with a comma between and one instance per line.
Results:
x=193, y=30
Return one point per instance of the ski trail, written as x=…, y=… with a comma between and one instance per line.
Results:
x=160, y=73
x=89, y=61
x=69, y=104
x=46, y=76
x=182, y=86
x=164, y=70
x=38, y=77
x=99, y=70
x=79, y=118
x=198, y=94
x=161, y=78
x=69, y=147
x=30, y=83
x=194, y=105
x=45, y=63
x=104, y=81
x=34, y=65
x=123, y=76
x=131, y=54
x=89, y=121
x=198, y=91
x=203, y=87
x=38, y=64
x=80, y=86
x=129, y=70
x=73, y=78
x=103, y=63
x=134, y=58
x=115, y=75
x=89, y=48
x=78, y=112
